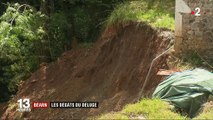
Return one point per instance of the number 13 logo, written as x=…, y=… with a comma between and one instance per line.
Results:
x=24, y=103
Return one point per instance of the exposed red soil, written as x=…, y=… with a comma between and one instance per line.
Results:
x=111, y=73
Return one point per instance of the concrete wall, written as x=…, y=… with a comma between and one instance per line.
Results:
x=197, y=31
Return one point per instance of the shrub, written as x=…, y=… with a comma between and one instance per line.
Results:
x=57, y=31
x=21, y=29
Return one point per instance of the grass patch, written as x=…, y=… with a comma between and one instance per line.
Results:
x=158, y=14
x=205, y=116
x=111, y=116
x=152, y=109
x=207, y=112
x=147, y=108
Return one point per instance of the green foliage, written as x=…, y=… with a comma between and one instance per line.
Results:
x=87, y=17
x=152, y=109
x=113, y=116
x=156, y=13
x=20, y=29
x=82, y=22
x=146, y=108
x=205, y=116
x=57, y=32
x=28, y=37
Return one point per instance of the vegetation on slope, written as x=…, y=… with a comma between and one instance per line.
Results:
x=156, y=13
x=159, y=14
x=146, y=108
x=21, y=33
x=154, y=109
x=39, y=31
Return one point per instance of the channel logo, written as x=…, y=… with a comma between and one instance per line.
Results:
x=24, y=105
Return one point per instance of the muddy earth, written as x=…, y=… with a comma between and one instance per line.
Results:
x=112, y=73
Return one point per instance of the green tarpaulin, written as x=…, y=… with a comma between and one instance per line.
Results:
x=187, y=90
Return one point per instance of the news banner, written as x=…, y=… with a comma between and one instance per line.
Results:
x=25, y=105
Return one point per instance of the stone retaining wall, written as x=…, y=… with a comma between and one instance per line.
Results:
x=198, y=30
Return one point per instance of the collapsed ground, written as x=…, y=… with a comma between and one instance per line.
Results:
x=112, y=72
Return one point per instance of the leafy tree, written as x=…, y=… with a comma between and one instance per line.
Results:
x=21, y=29
x=57, y=30
x=32, y=35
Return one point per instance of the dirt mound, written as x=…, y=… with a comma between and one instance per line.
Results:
x=112, y=73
